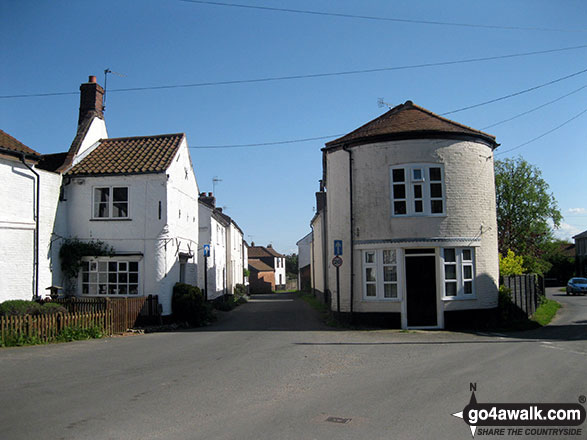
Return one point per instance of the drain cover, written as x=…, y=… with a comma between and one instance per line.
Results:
x=338, y=420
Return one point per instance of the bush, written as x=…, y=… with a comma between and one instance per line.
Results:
x=240, y=290
x=20, y=307
x=69, y=334
x=189, y=305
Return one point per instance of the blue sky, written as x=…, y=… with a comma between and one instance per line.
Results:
x=52, y=46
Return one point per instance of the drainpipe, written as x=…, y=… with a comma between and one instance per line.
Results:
x=348, y=150
x=314, y=264
x=36, y=211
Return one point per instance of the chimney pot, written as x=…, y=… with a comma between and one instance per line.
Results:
x=92, y=79
x=209, y=194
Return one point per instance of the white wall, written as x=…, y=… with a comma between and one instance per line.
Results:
x=17, y=229
x=214, y=234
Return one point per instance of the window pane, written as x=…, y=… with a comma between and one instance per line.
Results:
x=468, y=287
x=93, y=277
x=371, y=290
x=435, y=174
x=122, y=290
x=418, y=207
x=468, y=272
x=369, y=257
x=122, y=267
x=399, y=208
x=436, y=190
x=93, y=289
x=390, y=290
x=85, y=266
x=93, y=266
x=133, y=278
x=389, y=256
x=418, y=191
x=417, y=174
x=120, y=194
x=389, y=273
x=120, y=210
x=451, y=289
x=467, y=255
x=449, y=255
x=436, y=206
x=112, y=290
x=399, y=191
x=102, y=277
x=85, y=277
x=101, y=195
x=370, y=274
x=133, y=289
x=102, y=289
x=450, y=272
x=102, y=266
x=85, y=289
x=112, y=278
x=122, y=278
x=112, y=266
x=398, y=175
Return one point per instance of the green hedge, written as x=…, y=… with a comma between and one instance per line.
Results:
x=22, y=307
x=189, y=305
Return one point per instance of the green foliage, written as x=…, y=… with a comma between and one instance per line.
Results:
x=563, y=265
x=536, y=265
x=291, y=264
x=73, y=250
x=22, y=307
x=511, y=264
x=14, y=339
x=246, y=273
x=546, y=311
x=189, y=305
x=240, y=290
x=69, y=334
x=229, y=302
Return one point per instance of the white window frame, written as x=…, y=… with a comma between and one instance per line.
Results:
x=425, y=183
x=124, y=265
x=461, y=279
x=110, y=202
x=378, y=266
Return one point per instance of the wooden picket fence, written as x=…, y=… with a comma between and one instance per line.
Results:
x=46, y=328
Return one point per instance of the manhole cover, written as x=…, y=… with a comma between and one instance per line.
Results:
x=338, y=420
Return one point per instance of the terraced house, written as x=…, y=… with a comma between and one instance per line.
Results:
x=411, y=198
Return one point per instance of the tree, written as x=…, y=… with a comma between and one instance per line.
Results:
x=511, y=264
x=524, y=208
x=291, y=264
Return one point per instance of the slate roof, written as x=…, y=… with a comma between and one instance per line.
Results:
x=11, y=144
x=581, y=235
x=408, y=121
x=130, y=155
x=259, y=266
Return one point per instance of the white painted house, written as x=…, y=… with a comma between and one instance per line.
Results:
x=227, y=254
x=411, y=195
x=304, y=262
x=137, y=195
x=29, y=194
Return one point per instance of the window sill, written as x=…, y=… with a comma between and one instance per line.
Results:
x=412, y=216
x=383, y=300
x=111, y=219
x=459, y=298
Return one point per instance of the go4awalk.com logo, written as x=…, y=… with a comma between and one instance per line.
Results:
x=524, y=419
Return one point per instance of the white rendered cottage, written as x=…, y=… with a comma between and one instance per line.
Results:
x=411, y=195
x=29, y=195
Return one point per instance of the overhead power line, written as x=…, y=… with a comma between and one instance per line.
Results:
x=534, y=109
x=375, y=18
x=543, y=134
x=310, y=75
x=491, y=101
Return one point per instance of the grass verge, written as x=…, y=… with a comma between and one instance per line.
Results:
x=545, y=312
x=321, y=308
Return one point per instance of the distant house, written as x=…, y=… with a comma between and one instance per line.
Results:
x=411, y=196
x=228, y=257
x=262, y=278
x=30, y=194
x=581, y=253
x=270, y=259
x=136, y=194
x=305, y=262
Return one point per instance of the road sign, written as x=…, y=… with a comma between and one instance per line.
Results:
x=206, y=250
x=337, y=261
x=337, y=247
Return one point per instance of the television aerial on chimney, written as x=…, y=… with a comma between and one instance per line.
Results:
x=381, y=103
x=215, y=180
x=106, y=72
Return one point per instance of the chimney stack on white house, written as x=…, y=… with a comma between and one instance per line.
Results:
x=209, y=199
x=91, y=100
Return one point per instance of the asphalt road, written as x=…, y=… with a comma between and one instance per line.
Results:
x=271, y=370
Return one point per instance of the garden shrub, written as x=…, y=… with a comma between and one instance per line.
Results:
x=189, y=305
x=20, y=307
x=69, y=334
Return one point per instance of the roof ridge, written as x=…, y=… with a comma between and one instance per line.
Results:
x=141, y=137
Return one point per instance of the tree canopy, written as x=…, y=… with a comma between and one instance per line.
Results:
x=525, y=209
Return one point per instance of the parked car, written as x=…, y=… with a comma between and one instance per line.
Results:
x=577, y=286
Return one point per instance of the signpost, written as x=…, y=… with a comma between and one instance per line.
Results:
x=337, y=262
x=206, y=255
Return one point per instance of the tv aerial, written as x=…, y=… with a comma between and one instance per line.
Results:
x=106, y=72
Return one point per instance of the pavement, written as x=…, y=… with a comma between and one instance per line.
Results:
x=271, y=370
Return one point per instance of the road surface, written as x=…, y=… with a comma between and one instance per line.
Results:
x=270, y=370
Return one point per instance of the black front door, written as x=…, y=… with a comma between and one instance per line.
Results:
x=421, y=291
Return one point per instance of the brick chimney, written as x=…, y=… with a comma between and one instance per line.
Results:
x=209, y=199
x=91, y=100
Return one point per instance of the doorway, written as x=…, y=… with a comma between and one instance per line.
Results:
x=421, y=290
